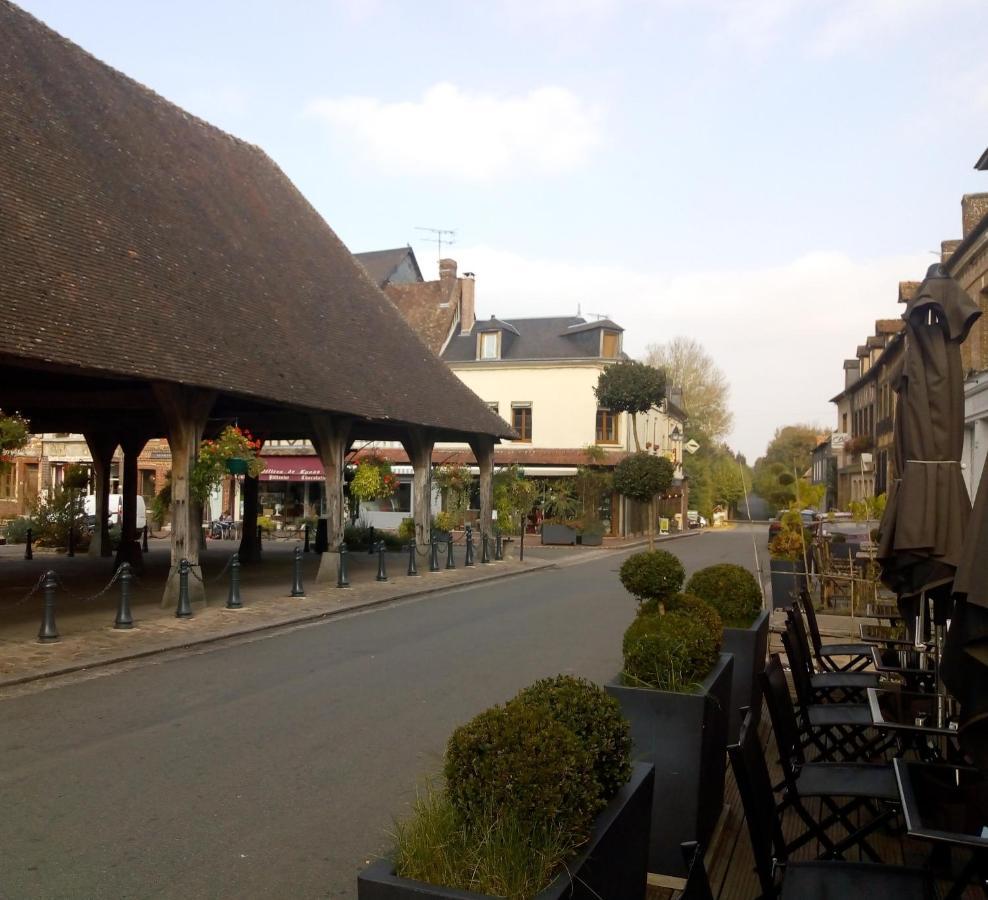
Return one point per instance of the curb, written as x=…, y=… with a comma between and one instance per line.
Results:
x=262, y=627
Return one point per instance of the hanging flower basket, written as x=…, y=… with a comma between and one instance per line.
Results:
x=236, y=466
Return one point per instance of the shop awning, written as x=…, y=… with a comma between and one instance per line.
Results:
x=292, y=468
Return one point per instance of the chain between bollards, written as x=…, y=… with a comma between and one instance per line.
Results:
x=297, y=589
x=342, y=577
x=124, y=619
x=184, y=609
x=233, y=600
x=48, y=633
x=382, y=572
x=468, y=553
x=412, y=567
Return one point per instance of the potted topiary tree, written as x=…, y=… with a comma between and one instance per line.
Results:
x=787, y=560
x=675, y=689
x=736, y=595
x=651, y=576
x=539, y=799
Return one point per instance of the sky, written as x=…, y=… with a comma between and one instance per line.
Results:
x=757, y=174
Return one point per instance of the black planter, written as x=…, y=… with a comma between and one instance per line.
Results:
x=558, y=534
x=612, y=866
x=750, y=648
x=788, y=578
x=685, y=737
x=592, y=540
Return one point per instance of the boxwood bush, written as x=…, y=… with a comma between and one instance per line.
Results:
x=732, y=590
x=652, y=575
x=671, y=652
x=594, y=717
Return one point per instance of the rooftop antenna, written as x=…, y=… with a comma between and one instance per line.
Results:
x=578, y=310
x=441, y=236
x=599, y=316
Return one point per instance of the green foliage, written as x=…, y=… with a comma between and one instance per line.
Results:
x=161, y=503
x=266, y=524
x=792, y=540
x=594, y=717
x=15, y=531
x=715, y=476
x=210, y=466
x=56, y=515
x=641, y=476
x=630, y=387
x=75, y=477
x=444, y=521
x=406, y=531
x=15, y=432
x=786, y=458
x=455, y=483
x=652, y=574
x=514, y=496
x=358, y=537
x=373, y=480
x=525, y=765
x=560, y=503
x=731, y=590
x=868, y=509
x=697, y=608
x=671, y=652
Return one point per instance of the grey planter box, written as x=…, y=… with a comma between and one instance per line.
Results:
x=612, y=866
x=750, y=648
x=685, y=737
x=558, y=534
x=591, y=540
x=788, y=579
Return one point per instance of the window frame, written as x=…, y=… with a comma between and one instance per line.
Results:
x=480, y=345
x=525, y=408
x=606, y=333
x=604, y=416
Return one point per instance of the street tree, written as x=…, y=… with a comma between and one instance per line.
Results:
x=706, y=391
x=630, y=387
x=641, y=477
x=786, y=460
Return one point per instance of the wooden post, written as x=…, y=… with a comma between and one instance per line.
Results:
x=185, y=411
x=132, y=445
x=418, y=444
x=331, y=438
x=102, y=446
x=483, y=451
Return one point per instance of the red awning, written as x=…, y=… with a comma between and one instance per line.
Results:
x=292, y=468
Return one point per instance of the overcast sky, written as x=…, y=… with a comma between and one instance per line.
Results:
x=759, y=174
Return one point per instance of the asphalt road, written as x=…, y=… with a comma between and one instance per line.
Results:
x=274, y=767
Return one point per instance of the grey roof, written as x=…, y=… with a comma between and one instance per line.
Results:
x=982, y=162
x=382, y=264
x=556, y=337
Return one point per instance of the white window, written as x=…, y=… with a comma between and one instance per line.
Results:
x=487, y=345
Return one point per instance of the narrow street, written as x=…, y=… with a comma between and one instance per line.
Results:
x=273, y=768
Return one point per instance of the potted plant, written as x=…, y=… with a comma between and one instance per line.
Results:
x=787, y=560
x=539, y=799
x=736, y=595
x=558, y=532
x=591, y=534
x=675, y=689
x=234, y=451
x=373, y=480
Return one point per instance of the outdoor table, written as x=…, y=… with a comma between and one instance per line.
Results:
x=915, y=668
x=885, y=634
x=947, y=806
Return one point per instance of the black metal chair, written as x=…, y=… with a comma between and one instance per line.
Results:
x=697, y=884
x=819, y=880
x=855, y=656
x=827, y=685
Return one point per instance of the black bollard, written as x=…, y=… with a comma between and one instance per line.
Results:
x=71, y=540
x=371, y=545
x=144, y=541
x=485, y=549
x=307, y=548
x=450, y=564
x=259, y=545
x=297, y=589
x=124, y=619
x=184, y=610
x=521, y=544
x=434, y=555
x=498, y=546
x=342, y=579
x=48, y=632
x=412, y=568
x=28, y=552
x=382, y=573
x=468, y=553
x=233, y=600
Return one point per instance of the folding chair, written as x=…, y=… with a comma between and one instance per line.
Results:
x=826, y=685
x=829, y=880
x=697, y=884
x=856, y=656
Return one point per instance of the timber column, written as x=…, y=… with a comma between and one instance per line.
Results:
x=102, y=446
x=331, y=438
x=185, y=411
x=483, y=451
x=129, y=550
x=418, y=444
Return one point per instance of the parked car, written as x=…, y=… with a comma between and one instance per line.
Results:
x=116, y=510
x=694, y=519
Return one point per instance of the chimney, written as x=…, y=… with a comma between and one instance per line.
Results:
x=851, y=369
x=974, y=207
x=468, y=312
x=947, y=249
x=447, y=269
x=907, y=290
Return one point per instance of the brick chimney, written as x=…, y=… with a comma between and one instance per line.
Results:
x=974, y=207
x=907, y=290
x=468, y=311
x=447, y=269
x=947, y=249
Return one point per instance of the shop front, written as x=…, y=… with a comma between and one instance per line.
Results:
x=291, y=491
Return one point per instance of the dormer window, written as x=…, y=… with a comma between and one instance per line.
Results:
x=610, y=344
x=488, y=345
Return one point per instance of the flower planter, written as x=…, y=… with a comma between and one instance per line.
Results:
x=236, y=466
x=750, y=649
x=611, y=867
x=592, y=540
x=685, y=737
x=558, y=534
x=788, y=579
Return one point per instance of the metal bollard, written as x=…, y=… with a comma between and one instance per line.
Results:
x=342, y=579
x=485, y=549
x=71, y=540
x=498, y=547
x=468, y=553
x=48, y=632
x=124, y=619
x=144, y=542
x=434, y=555
x=233, y=600
x=184, y=610
x=28, y=552
x=412, y=568
x=382, y=573
x=450, y=564
x=371, y=543
x=259, y=544
x=307, y=548
x=297, y=588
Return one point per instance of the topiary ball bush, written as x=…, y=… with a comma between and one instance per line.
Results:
x=674, y=652
x=730, y=589
x=515, y=762
x=652, y=575
x=691, y=605
x=594, y=717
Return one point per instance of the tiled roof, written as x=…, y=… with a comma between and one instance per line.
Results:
x=429, y=307
x=558, y=337
x=140, y=241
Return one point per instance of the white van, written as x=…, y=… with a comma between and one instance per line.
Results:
x=116, y=509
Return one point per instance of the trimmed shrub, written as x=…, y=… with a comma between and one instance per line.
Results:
x=698, y=608
x=594, y=717
x=673, y=652
x=652, y=575
x=525, y=766
x=730, y=589
x=15, y=531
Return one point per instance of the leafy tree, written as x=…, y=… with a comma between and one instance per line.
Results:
x=630, y=387
x=14, y=435
x=640, y=477
x=513, y=498
x=786, y=459
x=706, y=391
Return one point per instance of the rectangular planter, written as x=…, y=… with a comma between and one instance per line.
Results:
x=592, y=540
x=788, y=578
x=612, y=866
x=685, y=737
x=750, y=649
x=558, y=534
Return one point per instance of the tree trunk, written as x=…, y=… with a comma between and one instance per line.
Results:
x=331, y=437
x=418, y=444
x=483, y=450
x=634, y=431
